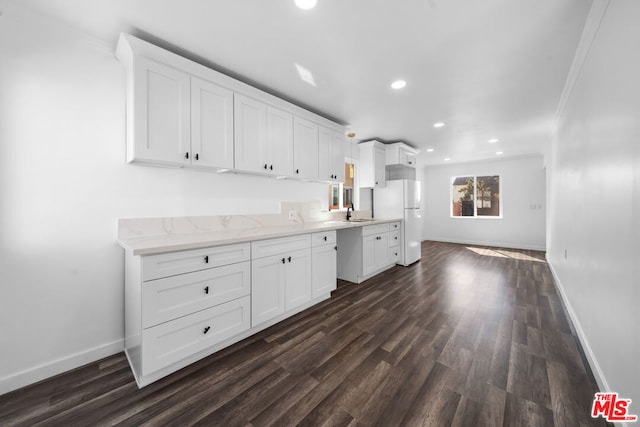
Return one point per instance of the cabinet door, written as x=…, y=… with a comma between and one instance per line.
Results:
x=305, y=149
x=280, y=142
x=161, y=114
x=381, y=250
x=297, y=278
x=379, y=172
x=325, y=141
x=267, y=288
x=323, y=269
x=369, y=255
x=250, y=127
x=337, y=156
x=211, y=125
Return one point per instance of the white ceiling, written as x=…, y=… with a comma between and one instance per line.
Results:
x=488, y=69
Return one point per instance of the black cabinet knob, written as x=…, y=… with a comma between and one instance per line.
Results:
x=186, y=156
x=325, y=238
x=335, y=247
x=265, y=166
x=289, y=259
x=297, y=170
x=271, y=167
x=206, y=290
x=206, y=329
x=197, y=156
x=206, y=259
x=283, y=260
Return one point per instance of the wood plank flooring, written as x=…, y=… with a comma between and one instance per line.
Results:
x=468, y=336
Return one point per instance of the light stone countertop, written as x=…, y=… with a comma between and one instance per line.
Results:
x=161, y=235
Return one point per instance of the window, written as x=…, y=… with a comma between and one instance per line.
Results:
x=341, y=195
x=475, y=196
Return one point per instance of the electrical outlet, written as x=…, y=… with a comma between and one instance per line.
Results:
x=292, y=214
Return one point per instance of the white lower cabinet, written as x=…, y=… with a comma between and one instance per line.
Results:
x=182, y=306
x=364, y=252
x=324, y=264
x=281, y=271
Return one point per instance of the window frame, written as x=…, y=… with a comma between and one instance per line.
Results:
x=475, y=196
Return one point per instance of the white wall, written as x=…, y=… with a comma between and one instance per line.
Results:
x=63, y=185
x=522, y=189
x=595, y=201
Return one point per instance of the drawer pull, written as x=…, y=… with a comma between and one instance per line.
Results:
x=289, y=259
x=265, y=166
x=206, y=290
x=283, y=260
x=297, y=171
x=206, y=329
x=186, y=156
x=396, y=237
x=325, y=238
x=271, y=167
x=396, y=254
x=335, y=247
x=197, y=156
x=206, y=259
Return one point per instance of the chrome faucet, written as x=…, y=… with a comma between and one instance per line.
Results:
x=349, y=212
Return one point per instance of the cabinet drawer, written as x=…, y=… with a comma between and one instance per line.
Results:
x=283, y=245
x=319, y=239
x=394, y=239
x=394, y=226
x=394, y=255
x=172, y=297
x=375, y=229
x=173, y=341
x=170, y=264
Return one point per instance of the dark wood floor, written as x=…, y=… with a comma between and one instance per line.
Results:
x=468, y=336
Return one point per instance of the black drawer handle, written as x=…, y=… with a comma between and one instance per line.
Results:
x=265, y=166
x=325, y=238
x=206, y=329
x=289, y=259
x=197, y=156
x=297, y=171
x=271, y=167
x=335, y=247
x=186, y=156
x=396, y=237
x=283, y=260
x=206, y=290
x=396, y=254
x=206, y=259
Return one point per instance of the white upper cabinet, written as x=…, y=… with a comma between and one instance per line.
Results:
x=159, y=125
x=330, y=155
x=305, y=149
x=264, y=138
x=400, y=154
x=211, y=125
x=250, y=126
x=181, y=113
x=279, y=141
x=372, y=165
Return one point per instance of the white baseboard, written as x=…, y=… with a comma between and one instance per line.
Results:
x=485, y=243
x=58, y=366
x=591, y=358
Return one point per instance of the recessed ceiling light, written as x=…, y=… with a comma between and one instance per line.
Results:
x=306, y=4
x=499, y=153
x=446, y=159
x=493, y=140
x=429, y=150
x=398, y=84
x=438, y=125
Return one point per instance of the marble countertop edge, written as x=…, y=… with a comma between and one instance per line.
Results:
x=152, y=245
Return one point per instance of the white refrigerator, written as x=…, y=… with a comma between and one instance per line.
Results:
x=401, y=199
